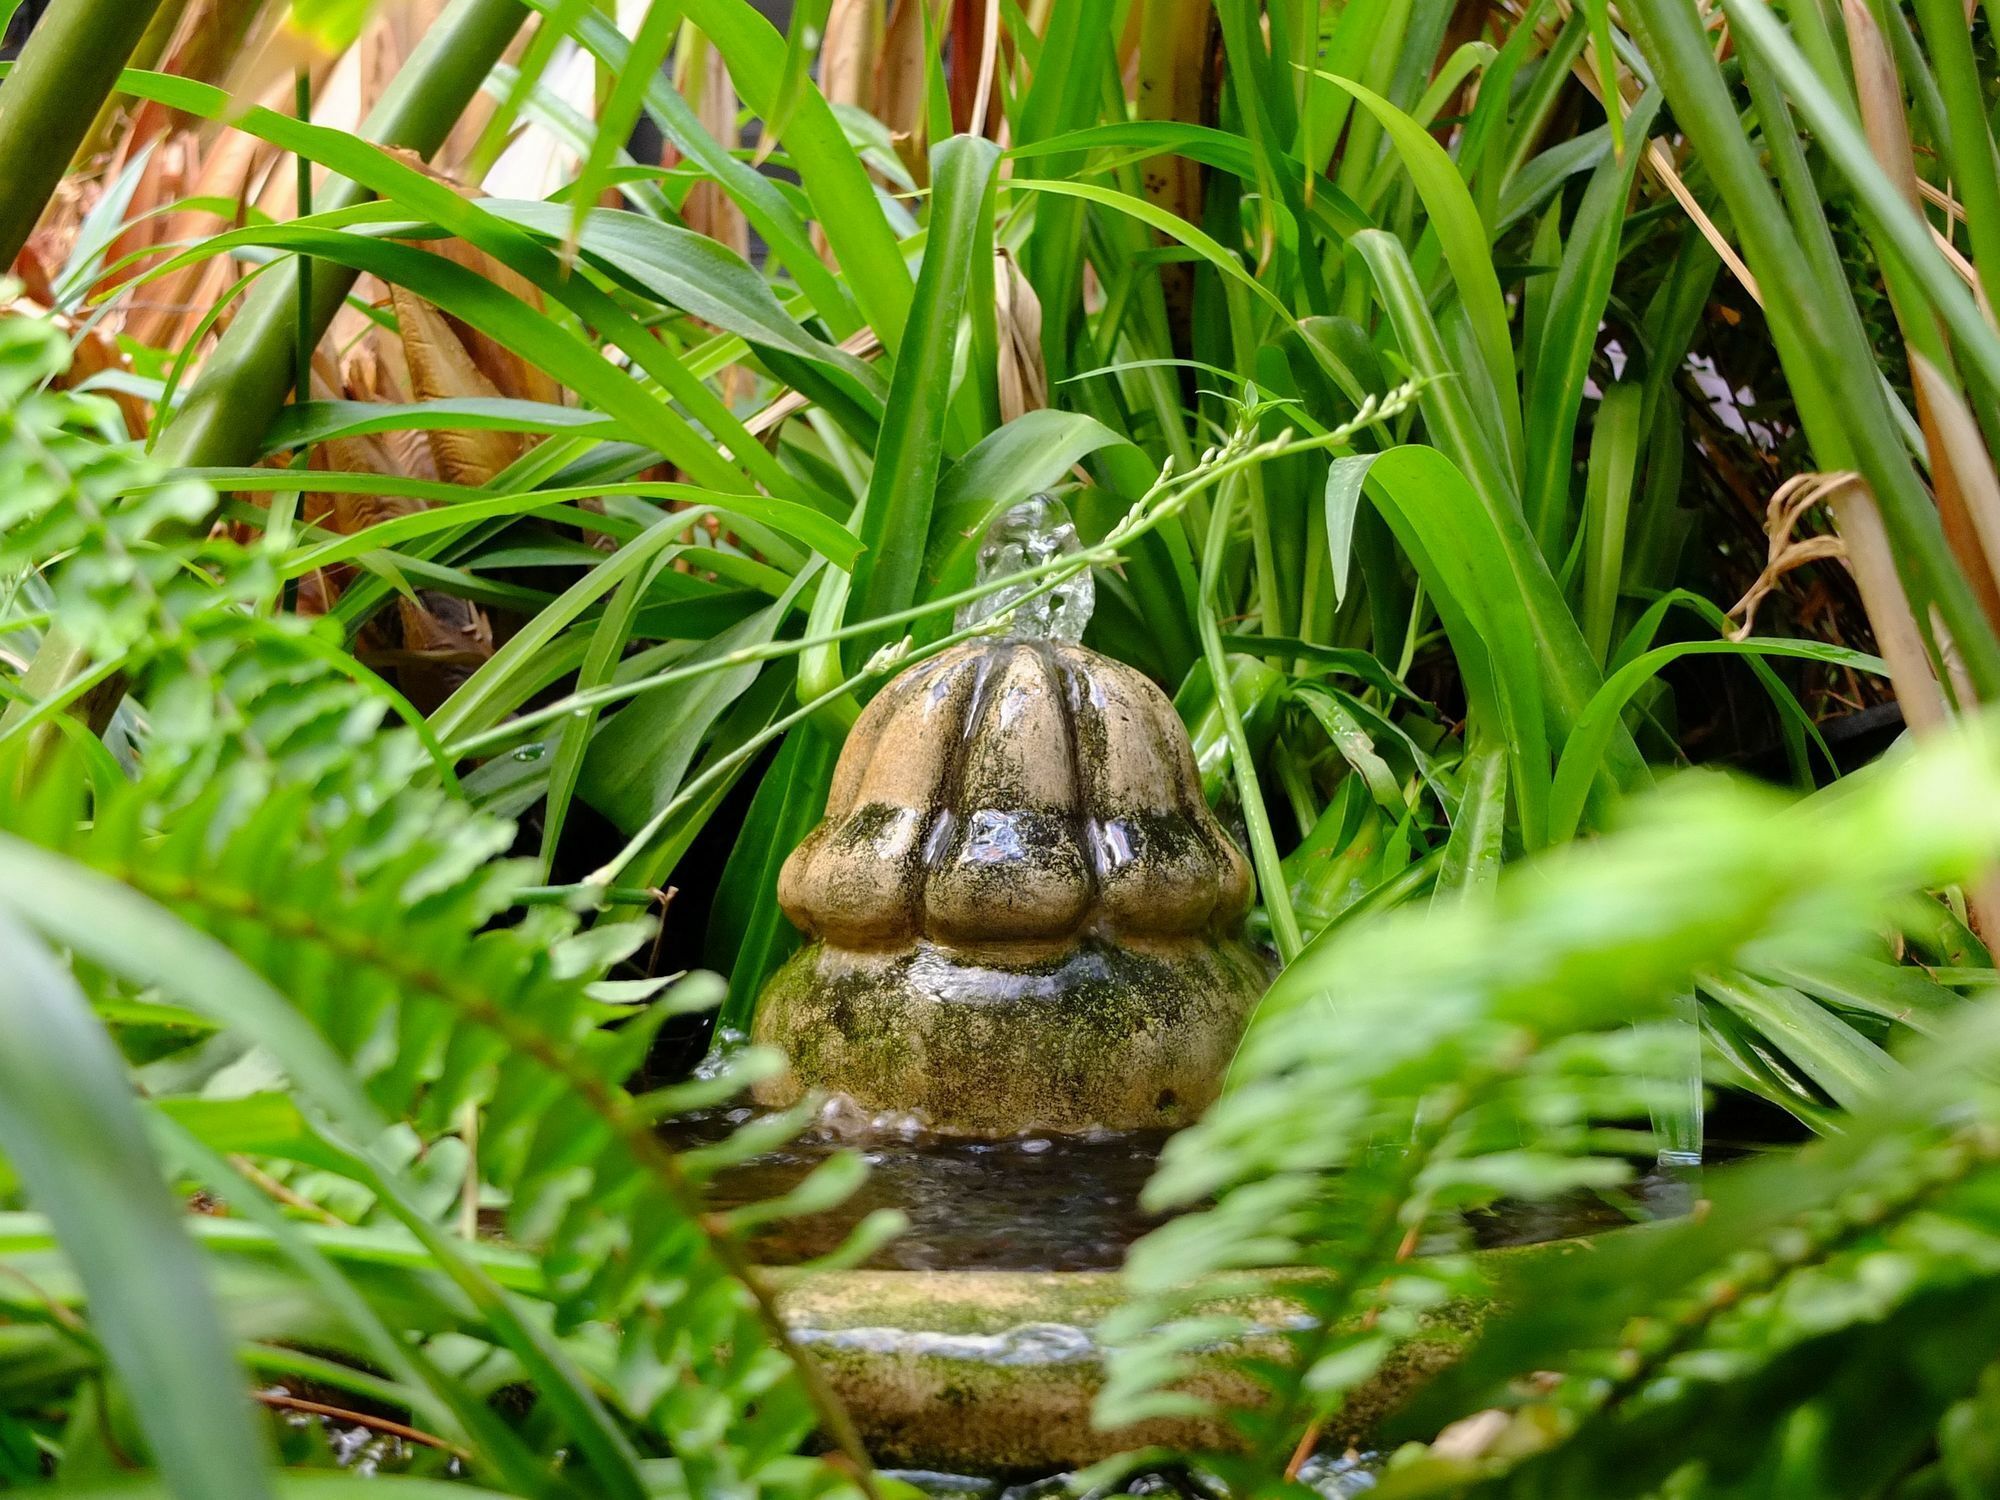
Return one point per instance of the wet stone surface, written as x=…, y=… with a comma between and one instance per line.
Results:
x=1333, y=1477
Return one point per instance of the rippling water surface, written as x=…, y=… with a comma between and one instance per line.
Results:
x=1040, y=1203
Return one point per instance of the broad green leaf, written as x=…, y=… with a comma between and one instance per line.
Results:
x=1473, y=853
x=1031, y=453
x=748, y=933
x=639, y=758
x=1889, y=216
x=69, y=1128
x=1499, y=607
x=481, y=699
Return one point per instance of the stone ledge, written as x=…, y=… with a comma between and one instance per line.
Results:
x=994, y=1372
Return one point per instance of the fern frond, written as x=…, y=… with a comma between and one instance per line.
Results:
x=1439, y=1061
x=315, y=851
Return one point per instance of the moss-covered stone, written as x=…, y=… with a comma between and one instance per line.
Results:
x=1023, y=914
x=995, y=1372
x=1099, y=1035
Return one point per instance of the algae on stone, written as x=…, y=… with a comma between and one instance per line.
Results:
x=1022, y=913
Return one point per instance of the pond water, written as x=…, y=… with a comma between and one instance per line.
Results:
x=1044, y=1203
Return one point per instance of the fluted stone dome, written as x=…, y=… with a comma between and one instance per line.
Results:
x=1021, y=913
x=1015, y=792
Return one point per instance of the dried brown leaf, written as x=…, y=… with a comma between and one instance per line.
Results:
x=442, y=368
x=1023, y=379
x=708, y=209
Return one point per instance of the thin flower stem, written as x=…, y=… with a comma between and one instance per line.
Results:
x=1263, y=843
x=1164, y=500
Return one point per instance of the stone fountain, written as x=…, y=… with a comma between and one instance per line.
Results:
x=1021, y=918
x=1021, y=914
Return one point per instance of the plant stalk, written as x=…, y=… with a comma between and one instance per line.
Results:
x=245, y=380
x=52, y=95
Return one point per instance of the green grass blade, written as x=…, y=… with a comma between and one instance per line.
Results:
x=1033, y=452
x=639, y=760
x=306, y=1485
x=1603, y=716
x=895, y=521
x=555, y=26
x=367, y=164
x=1449, y=417
x=1890, y=218
x=619, y=113
x=486, y=306
x=306, y=423
x=1169, y=224
x=1974, y=175
x=69, y=1128
x=1818, y=1043
x=1614, y=454
x=1333, y=212
x=829, y=169
x=694, y=273
x=244, y=380
x=1487, y=614
x=1563, y=353
x=766, y=207
x=1272, y=885
x=1900, y=993
x=455, y=505
x=482, y=698
x=1454, y=218
x=1848, y=420
x=608, y=639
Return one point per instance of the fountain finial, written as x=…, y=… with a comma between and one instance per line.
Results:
x=1023, y=536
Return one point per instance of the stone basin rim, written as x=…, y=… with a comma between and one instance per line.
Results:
x=995, y=1372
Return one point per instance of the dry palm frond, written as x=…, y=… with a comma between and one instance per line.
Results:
x=95, y=353
x=902, y=77
x=1968, y=496
x=1789, y=505
x=975, y=32
x=705, y=80
x=1869, y=558
x=852, y=40
x=1023, y=379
